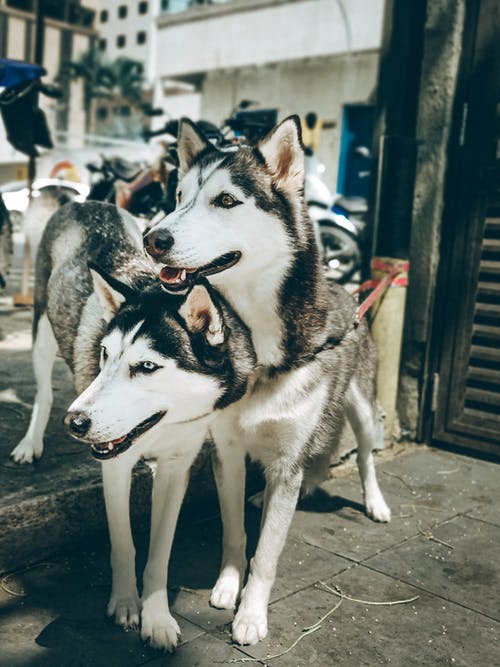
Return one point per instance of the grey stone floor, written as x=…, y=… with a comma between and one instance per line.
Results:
x=441, y=547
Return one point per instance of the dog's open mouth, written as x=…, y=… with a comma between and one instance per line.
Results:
x=176, y=278
x=108, y=450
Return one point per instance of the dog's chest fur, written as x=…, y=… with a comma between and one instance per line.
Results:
x=277, y=415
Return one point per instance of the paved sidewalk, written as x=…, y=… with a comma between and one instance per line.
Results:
x=442, y=546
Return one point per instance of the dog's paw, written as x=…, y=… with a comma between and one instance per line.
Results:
x=249, y=626
x=159, y=628
x=26, y=451
x=226, y=590
x=125, y=610
x=377, y=509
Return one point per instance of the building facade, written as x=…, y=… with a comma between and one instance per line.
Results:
x=295, y=55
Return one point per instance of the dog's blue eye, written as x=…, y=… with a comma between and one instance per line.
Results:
x=225, y=200
x=145, y=367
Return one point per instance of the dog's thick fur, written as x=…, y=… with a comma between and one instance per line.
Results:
x=139, y=356
x=316, y=363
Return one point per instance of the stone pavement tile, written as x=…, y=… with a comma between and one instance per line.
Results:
x=337, y=523
x=196, y=558
x=431, y=478
x=427, y=631
x=193, y=569
x=425, y=485
x=468, y=573
x=301, y=565
x=34, y=636
x=489, y=513
x=193, y=605
x=286, y=619
x=205, y=651
x=19, y=627
x=61, y=618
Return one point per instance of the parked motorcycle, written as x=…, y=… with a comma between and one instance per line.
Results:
x=340, y=223
x=244, y=125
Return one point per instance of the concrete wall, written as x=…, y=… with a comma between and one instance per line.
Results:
x=441, y=62
x=77, y=111
x=320, y=84
x=16, y=36
x=51, y=62
x=253, y=32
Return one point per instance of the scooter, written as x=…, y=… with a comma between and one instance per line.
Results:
x=339, y=223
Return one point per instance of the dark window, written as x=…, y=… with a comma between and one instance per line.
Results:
x=141, y=37
x=102, y=113
x=121, y=40
x=104, y=15
x=122, y=111
x=103, y=44
x=122, y=11
x=143, y=8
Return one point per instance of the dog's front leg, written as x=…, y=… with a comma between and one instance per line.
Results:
x=280, y=500
x=124, y=602
x=229, y=472
x=169, y=487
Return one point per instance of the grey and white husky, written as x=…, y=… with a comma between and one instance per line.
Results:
x=152, y=369
x=241, y=222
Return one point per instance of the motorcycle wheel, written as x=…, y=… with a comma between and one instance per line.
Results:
x=341, y=254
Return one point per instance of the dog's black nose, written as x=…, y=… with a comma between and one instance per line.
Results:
x=158, y=241
x=77, y=423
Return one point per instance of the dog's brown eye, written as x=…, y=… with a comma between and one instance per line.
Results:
x=179, y=195
x=225, y=200
x=104, y=353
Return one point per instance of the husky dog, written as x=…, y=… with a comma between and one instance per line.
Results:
x=241, y=221
x=151, y=369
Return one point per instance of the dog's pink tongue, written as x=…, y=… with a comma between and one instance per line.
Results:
x=118, y=440
x=169, y=275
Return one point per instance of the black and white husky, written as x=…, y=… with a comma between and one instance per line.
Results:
x=152, y=369
x=241, y=221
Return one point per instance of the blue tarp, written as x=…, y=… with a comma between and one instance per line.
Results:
x=14, y=72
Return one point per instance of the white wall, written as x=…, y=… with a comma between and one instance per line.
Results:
x=76, y=116
x=16, y=37
x=130, y=26
x=267, y=34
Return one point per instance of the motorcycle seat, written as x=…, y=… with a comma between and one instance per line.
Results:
x=124, y=169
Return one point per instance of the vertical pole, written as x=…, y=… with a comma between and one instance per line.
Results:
x=395, y=150
x=25, y=297
x=39, y=43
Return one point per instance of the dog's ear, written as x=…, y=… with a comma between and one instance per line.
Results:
x=111, y=292
x=283, y=153
x=190, y=143
x=203, y=316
